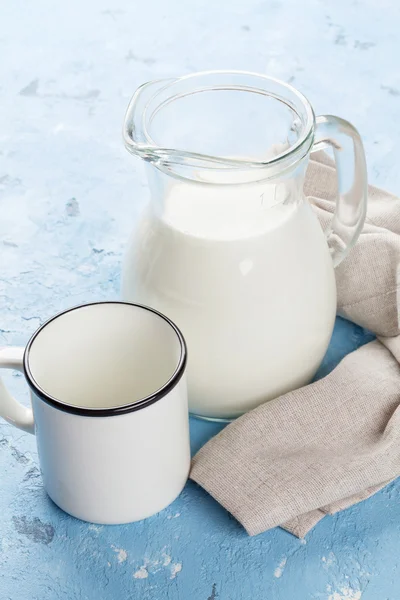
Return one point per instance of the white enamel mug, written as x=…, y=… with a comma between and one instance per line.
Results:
x=109, y=409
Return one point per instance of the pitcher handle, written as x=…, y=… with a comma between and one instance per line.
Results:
x=10, y=409
x=351, y=204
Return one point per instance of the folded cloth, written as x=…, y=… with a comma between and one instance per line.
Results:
x=335, y=442
x=368, y=279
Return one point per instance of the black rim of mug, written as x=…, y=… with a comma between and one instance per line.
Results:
x=115, y=410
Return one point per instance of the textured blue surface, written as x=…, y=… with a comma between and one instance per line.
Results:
x=69, y=194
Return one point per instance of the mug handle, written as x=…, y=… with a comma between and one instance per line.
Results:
x=351, y=169
x=10, y=409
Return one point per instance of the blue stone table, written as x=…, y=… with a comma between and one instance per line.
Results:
x=69, y=194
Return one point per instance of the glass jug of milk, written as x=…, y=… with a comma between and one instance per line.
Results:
x=228, y=246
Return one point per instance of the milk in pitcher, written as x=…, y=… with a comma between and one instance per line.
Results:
x=253, y=291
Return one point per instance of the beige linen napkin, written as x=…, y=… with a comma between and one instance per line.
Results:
x=328, y=445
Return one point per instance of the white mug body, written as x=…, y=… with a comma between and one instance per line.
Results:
x=106, y=455
x=115, y=469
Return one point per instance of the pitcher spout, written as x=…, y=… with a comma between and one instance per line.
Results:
x=134, y=130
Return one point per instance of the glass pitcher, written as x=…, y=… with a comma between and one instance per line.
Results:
x=228, y=246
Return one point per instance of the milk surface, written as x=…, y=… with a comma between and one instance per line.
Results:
x=249, y=280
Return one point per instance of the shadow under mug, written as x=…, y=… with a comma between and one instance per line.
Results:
x=109, y=409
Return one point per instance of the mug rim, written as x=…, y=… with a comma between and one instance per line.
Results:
x=113, y=410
